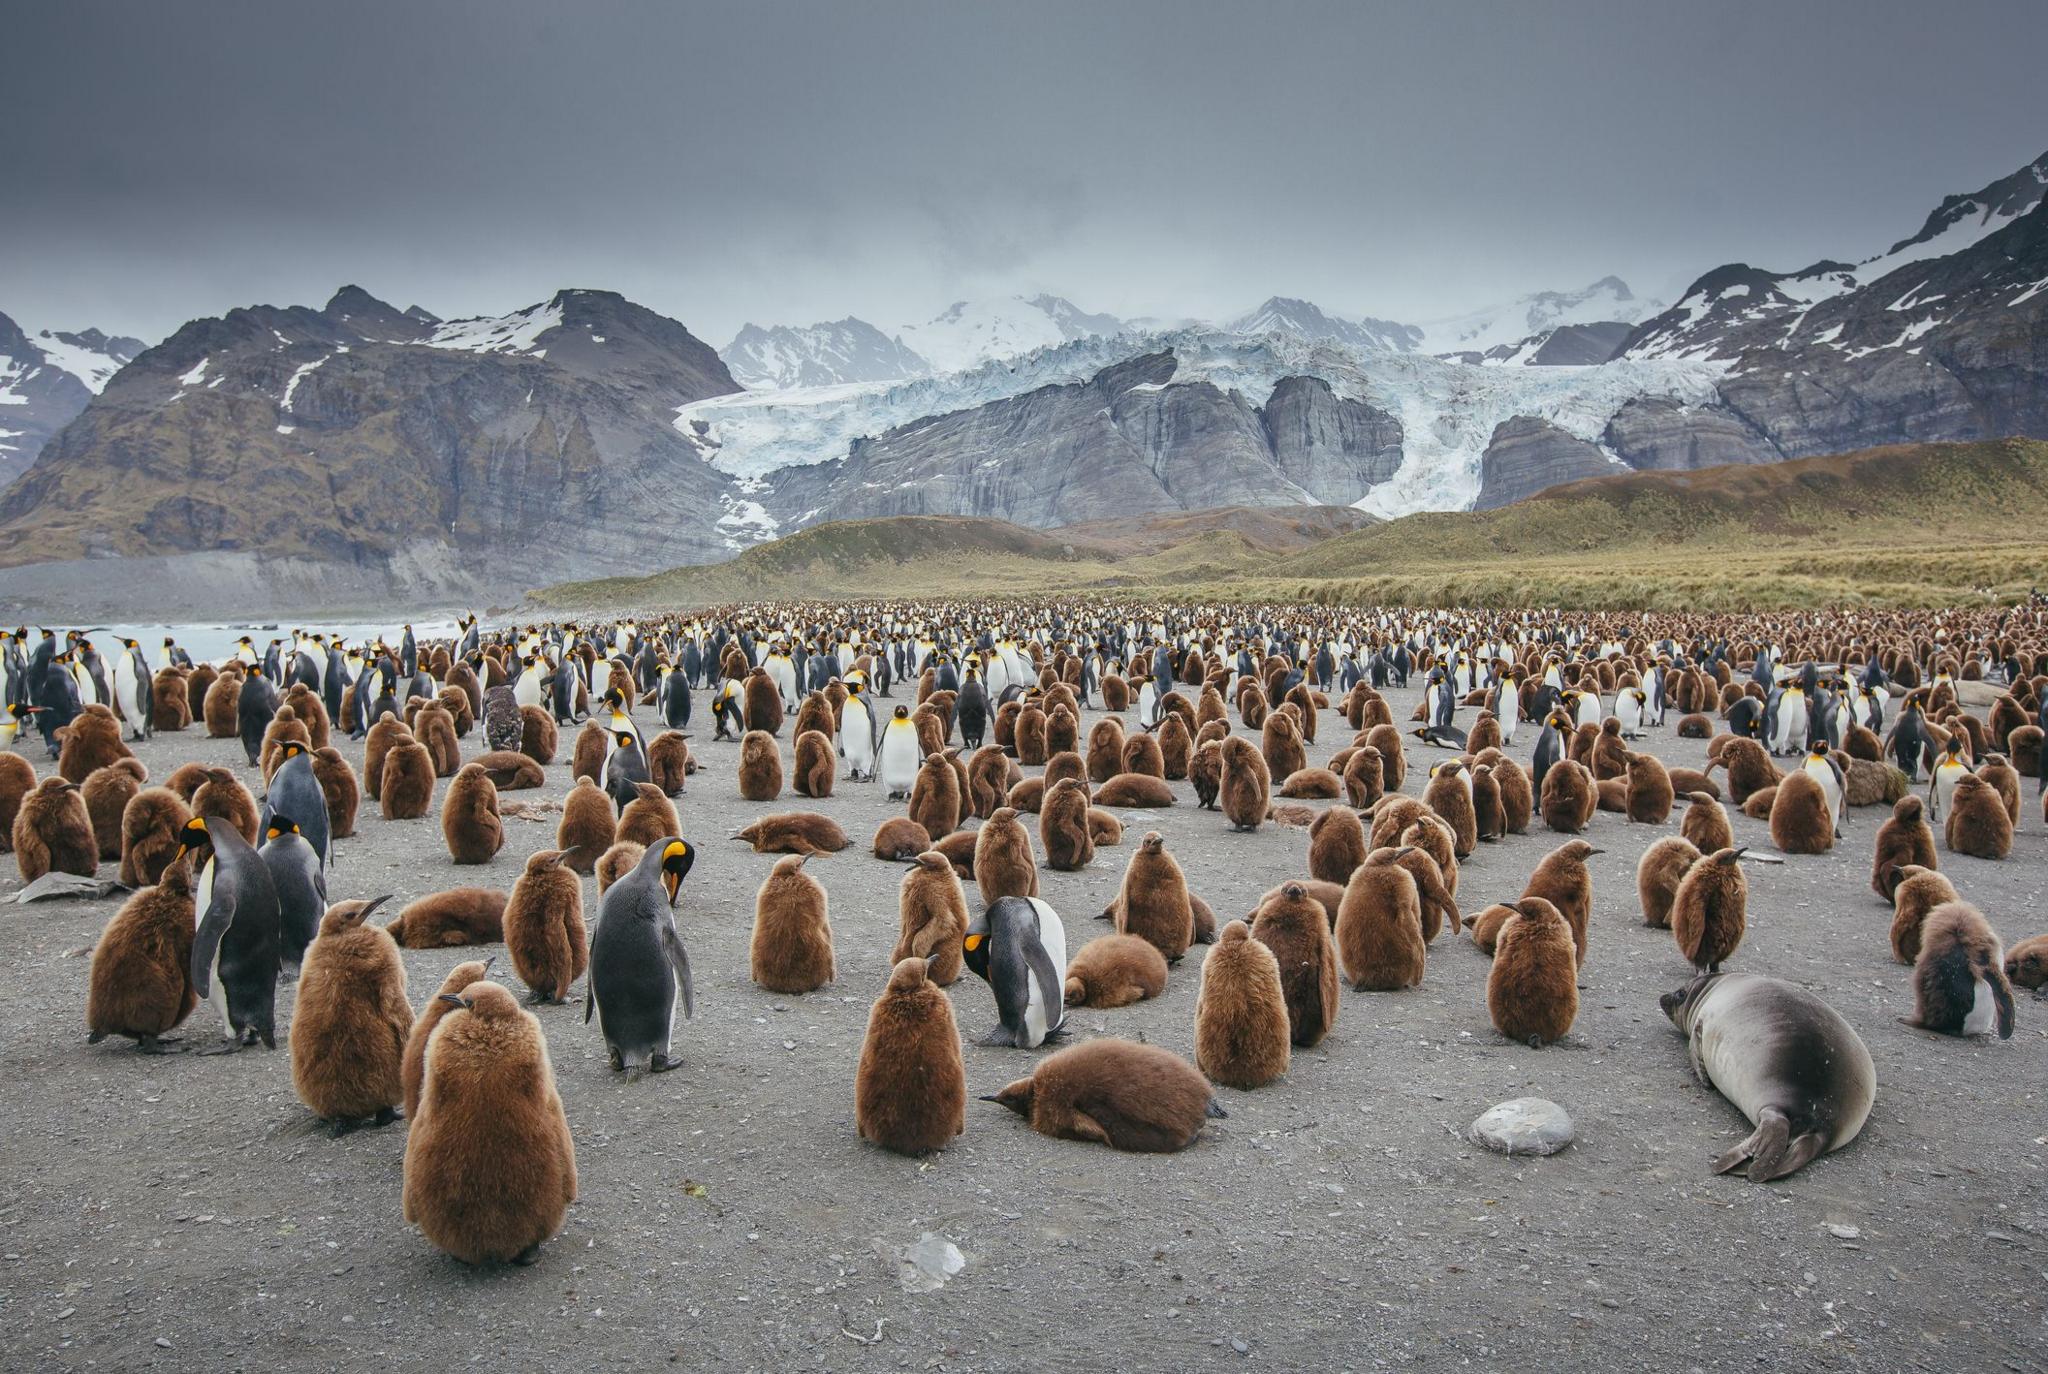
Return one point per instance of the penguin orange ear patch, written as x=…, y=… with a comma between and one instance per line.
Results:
x=974, y=942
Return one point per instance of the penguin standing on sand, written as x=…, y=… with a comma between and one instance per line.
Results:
x=1908, y=740
x=1018, y=945
x=235, y=948
x=857, y=733
x=637, y=960
x=294, y=791
x=672, y=699
x=57, y=701
x=899, y=756
x=134, y=695
x=1549, y=748
x=300, y=881
x=253, y=711
x=1825, y=771
x=970, y=711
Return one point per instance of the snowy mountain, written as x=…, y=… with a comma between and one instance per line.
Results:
x=1306, y=320
x=969, y=333
x=1513, y=325
x=826, y=354
x=46, y=381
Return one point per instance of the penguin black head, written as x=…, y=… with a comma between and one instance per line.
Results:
x=1818, y=749
x=676, y=858
x=902, y=713
x=194, y=837
x=281, y=825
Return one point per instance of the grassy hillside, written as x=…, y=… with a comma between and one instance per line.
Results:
x=1917, y=525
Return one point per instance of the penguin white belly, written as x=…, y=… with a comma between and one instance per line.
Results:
x=1627, y=712
x=899, y=761
x=1983, y=1015
x=1791, y=725
x=124, y=692
x=1945, y=780
x=202, y=899
x=1589, y=709
x=1045, y=1008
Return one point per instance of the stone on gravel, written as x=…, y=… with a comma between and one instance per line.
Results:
x=1524, y=1126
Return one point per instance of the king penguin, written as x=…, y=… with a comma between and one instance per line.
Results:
x=637, y=960
x=1019, y=946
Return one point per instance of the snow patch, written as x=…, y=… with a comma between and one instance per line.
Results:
x=514, y=333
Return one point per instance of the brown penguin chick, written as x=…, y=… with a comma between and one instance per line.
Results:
x=1143, y=755
x=1063, y=828
x=1609, y=755
x=1759, y=803
x=221, y=709
x=490, y=1169
x=1386, y=740
x=388, y=730
x=616, y=862
x=1152, y=903
x=1104, y=828
x=1561, y=879
x=1568, y=797
x=1485, y=733
x=932, y=916
x=1695, y=725
x=91, y=741
x=1650, y=795
x=1280, y=742
x=1861, y=742
x=1112, y=1092
x=2026, y=963
x=338, y=785
x=1115, y=971
x=792, y=946
x=455, y=702
x=1486, y=926
x=1312, y=783
x=169, y=706
x=1904, y=838
x=1063, y=732
x=140, y=985
x=1003, y=726
x=1517, y=795
x=1027, y=735
x=458, y=916
x=988, y=781
x=1489, y=818
x=649, y=817
x=312, y=711
x=1205, y=772
x=1336, y=845
x=1329, y=896
x=1379, y=929
x=795, y=832
x=587, y=754
x=1747, y=764
x=900, y=839
x=1996, y=771
x=1449, y=795
x=1253, y=705
x=1296, y=927
x=935, y=800
x=1116, y=693
x=1432, y=881
x=107, y=792
x=1246, y=791
x=1392, y=815
x=197, y=683
x=1532, y=991
x=910, y=1088
x=1710, y=910
x=351, y=1020
x=1959, y=983
x=669, y=763
x=543, y=924
x=760, y=768
x=1611, y=794
x=1304, y=701
x=1066, y=764
x=53, y=833
x=761, y=703
x=1581, y=745
x=17, y=780
x=1916, y=890
x=1364, y=776
x=1242, y=1031
x=434, y=727
x=2025, y=749
x=1801, y=822
x=1135, y=790
x=1105, y=749
x=510, y=771
x=1658, y=873
x=538, y=738
x=150, y=825
x=815, y=712
x=223, y=795
x=1176, y=747
x=469, y=817
x=1003, y=862
x=1705, y=824
x=814, y=768
x=408, y=784
x=588, y=826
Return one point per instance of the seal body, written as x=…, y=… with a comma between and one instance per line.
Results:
x=1789, y=1061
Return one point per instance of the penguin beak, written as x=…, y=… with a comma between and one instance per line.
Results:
x=452, y=1000
x=673, y=882
x=372, y=905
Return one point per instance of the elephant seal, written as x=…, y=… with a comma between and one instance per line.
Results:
x=1786, y=1058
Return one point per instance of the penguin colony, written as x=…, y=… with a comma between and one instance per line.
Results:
x=941, y=709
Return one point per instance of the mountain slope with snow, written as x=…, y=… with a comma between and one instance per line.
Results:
x=969, y=333
x=46, y=380
x=1306, y=320
x=1514, y=322
x=831, y=353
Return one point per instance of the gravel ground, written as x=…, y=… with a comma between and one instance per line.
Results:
x=187, y=1213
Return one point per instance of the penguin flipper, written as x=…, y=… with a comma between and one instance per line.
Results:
x=213, y=927
x=679, y=960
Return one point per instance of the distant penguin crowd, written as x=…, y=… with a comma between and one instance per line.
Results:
x=1012, y=739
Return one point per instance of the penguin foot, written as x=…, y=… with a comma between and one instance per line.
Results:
x=661, y=1063
x=618, y=1061
x=340, y=1127
x=224, y=1047
x=386, y=1115
x=999, y=1038
x=527, y=1256
x=150, y=1044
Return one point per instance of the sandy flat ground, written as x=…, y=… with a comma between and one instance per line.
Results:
x=187, y=1213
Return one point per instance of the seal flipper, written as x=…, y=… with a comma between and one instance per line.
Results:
x=1801, y=1151
x=1764, y=1148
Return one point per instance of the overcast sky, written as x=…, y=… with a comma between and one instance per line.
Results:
x=784, y=163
